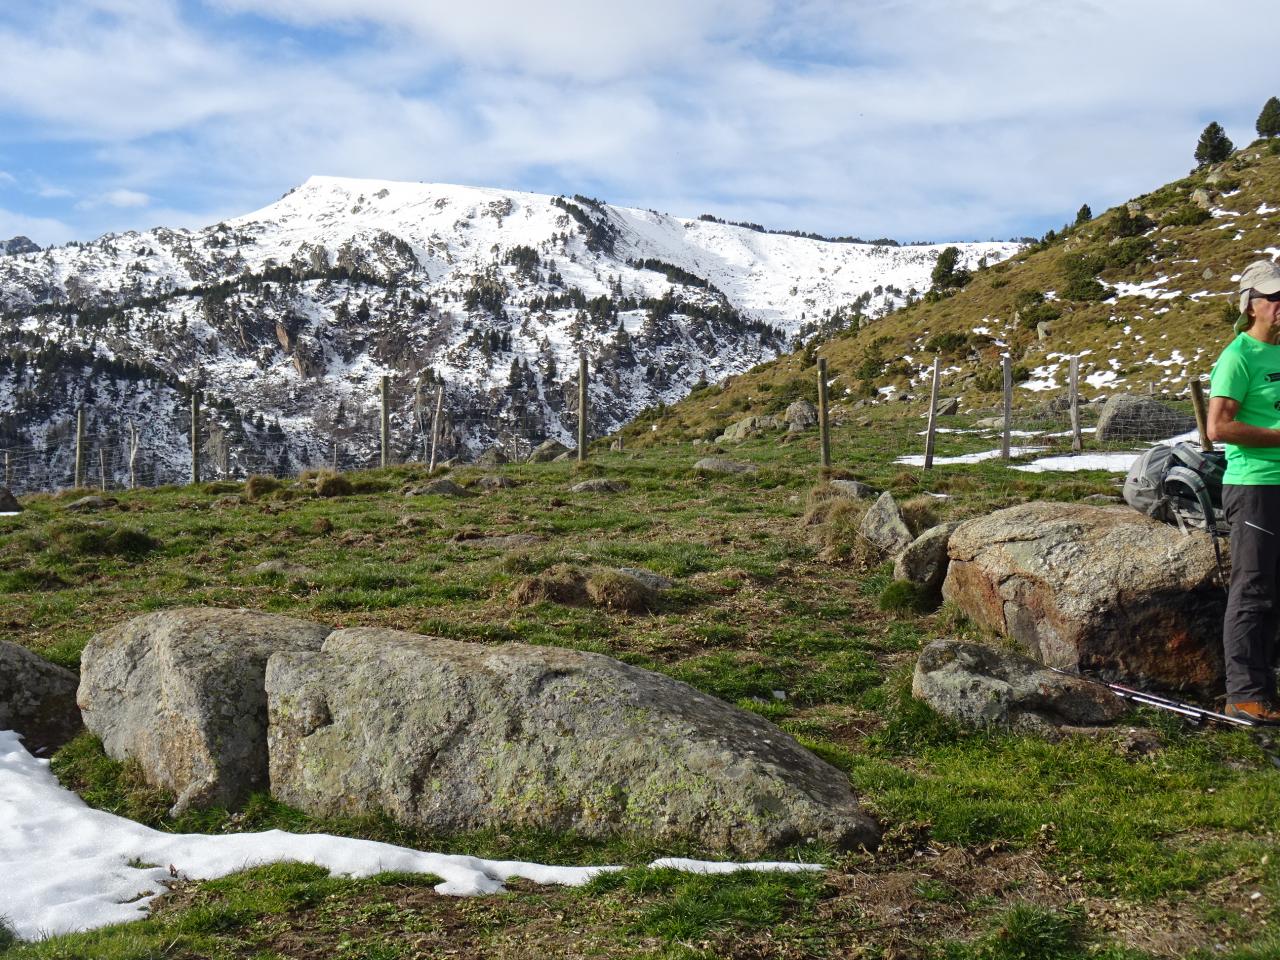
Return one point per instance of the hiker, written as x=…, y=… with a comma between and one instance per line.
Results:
x=1244, y=414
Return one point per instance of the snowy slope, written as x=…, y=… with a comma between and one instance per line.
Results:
x=290, y=315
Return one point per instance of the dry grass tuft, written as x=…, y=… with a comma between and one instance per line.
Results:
x=617, y=591
x=563, y=583
x=921, y=513
x=329, y=484
x=258, y=486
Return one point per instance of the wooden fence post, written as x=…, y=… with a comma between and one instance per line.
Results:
x=133, y=455
x=8, y=470
x=78, y=481
x=582, y=406
x=435, y=426
x=1073, y=400
x=102, y=470
x=1006, y=366
x=386, y=421
x=931, y=432
x=195, y=435
x=824, y=424
x=1202, y=416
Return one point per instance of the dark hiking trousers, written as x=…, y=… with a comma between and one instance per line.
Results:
x=1253, y=607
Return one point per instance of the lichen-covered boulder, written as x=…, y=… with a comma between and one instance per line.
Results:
x=547, y=451
x=181, y=692
x=37, y=699
x=447, y=736
x=885, y=526
x=982, y=686
x=1095, y=589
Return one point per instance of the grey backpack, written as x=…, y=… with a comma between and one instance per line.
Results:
x=1179, y=484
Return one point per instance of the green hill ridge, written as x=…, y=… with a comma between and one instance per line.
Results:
x=1142, y=293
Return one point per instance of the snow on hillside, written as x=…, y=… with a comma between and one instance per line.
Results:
x=290, y=315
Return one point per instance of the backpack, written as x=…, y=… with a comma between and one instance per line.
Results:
x=1179, y=484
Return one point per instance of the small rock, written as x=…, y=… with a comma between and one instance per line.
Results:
x=924, y=562
x=491, y=481
x=90, y=504
x=508, y=541
x=1202, y=198
x=567, y=455
x=599, y=485
x=948, y=407
x=990, y=423
x=854, y=488
x=616, y=446
x=801, y=415
x=227, y=502
x=885, y=527
x=979, y=685
x=294, y=571
x=1207, y=273
x=8, y=502
x=1044, y=330
x=547, y=451
x=444, y=487
x=723, y=466
x=654, y=581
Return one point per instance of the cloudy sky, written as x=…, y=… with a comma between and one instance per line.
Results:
x=916, y=119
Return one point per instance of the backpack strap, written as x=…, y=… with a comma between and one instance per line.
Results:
x=1199, y=489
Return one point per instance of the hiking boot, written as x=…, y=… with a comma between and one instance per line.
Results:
x=1256, y=711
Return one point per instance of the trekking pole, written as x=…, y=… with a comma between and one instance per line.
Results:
x=1190, y=711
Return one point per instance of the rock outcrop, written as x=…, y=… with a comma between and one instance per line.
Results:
x=721, y=465
x=8, y=502
x=181, y=692
x=982, y=686
x=449, y=736
x=1096, y=589
x=37, y=699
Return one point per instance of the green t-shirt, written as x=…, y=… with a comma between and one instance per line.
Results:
x=1249, y=373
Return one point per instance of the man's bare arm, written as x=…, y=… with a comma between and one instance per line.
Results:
x=1225, y=428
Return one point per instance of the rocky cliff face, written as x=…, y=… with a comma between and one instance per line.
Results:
x=18, y=245
x=288, y=317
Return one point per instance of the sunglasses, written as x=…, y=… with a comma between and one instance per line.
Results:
x=1269, y=297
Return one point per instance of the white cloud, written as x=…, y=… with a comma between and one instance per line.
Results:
x=43, y=230
x=940, y=119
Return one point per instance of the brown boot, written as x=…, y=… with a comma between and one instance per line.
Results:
x=1255, y=711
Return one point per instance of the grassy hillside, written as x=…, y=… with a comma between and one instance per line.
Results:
x=996, y=846
x=1183, y=254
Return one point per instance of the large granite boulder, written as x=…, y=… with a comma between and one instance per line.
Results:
x=448, y=736
x=982, y=686
x=181, y=692
x=37, y=699
x=8, y=502
x=1098, y=589
x=1126, y=417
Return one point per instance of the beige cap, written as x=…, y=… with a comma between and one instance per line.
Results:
x=1262, y=276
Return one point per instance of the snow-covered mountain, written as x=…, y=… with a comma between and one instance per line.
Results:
x=288, y=317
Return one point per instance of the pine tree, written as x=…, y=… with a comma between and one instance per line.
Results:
x=1269, y=118
x=1084, y=214
x=1214, y=145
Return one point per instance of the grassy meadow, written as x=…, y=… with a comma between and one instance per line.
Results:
x=995, y=845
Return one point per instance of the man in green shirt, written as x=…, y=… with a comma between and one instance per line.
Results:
x=1244, y=414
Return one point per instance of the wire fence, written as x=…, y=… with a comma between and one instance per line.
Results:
x=159, y=454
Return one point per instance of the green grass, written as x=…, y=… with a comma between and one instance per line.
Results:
x=757, y=608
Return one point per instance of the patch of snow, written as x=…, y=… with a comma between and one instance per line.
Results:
x=69, y=867
x=917, y=460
